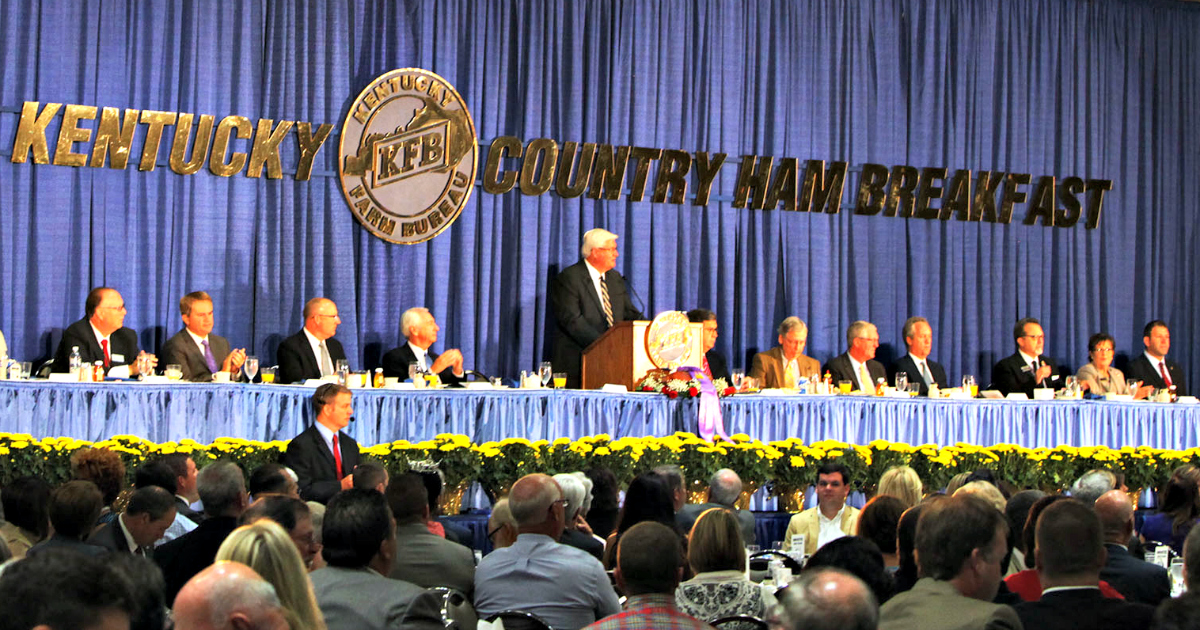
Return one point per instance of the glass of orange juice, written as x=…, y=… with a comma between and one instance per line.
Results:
x=969, y=385
x=268, y=375
x=560, y=380
x=844, y=386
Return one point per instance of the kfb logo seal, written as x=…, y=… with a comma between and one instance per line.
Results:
x=407, y=156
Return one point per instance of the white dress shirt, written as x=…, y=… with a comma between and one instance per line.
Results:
x=830, y=528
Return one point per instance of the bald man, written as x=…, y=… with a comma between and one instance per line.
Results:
x=228, y=595
x=1136, y=579
x=312, y=352
x=826, y=598
x=102, y=336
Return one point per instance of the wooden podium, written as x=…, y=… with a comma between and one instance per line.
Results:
x=619, y=356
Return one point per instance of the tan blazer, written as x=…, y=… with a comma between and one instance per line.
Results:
x=937, y=605
x=808, y=524
x=767, y=368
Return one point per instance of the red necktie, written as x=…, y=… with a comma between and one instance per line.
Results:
x=707, y=371
x=1162, y=366
x=104, y=345
x=337, y=456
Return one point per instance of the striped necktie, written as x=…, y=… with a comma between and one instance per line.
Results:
x=605, y=301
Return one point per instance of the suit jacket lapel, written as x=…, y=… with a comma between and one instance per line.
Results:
x=306, y=354
x=192, y=353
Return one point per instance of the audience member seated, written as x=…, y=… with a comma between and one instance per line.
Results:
x=147, y=590
x=1016, y=512
x=581, y=519
x=265, y=547
x=648, y=498
x=159, y=473
x=1027, y=583
x=1136, y=579
x=434, y=482
x=717, y=556
x=104, y=468
x=862, y=558
x=359, y=537
x=649, y=566
x=826, y=598
x=74, y=508
x=723, y=491
x=831, y=518
x=294, y=516
x=222, y=489
x=606, y=502
x=371, y=476
x=961, y=546
x=1069, y=554
x=1178, y=509
x=906, y=542
x=676, y=482
x=574, y=492
x=274, y=478
x=1191, y=561
x=63, y=590
x=903, y=483
x=563, y=585
x=229, y=596
x=1181, y=613
x=878, y=523
x=185, y=484
x=150, y=511
x=985, y=490
x=26, y=503
x=422, y=557
x=502, y=527
x=1092, y=485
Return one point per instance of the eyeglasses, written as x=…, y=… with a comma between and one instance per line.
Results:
x=1034, y=337
x=492, y=534
x=565, y=503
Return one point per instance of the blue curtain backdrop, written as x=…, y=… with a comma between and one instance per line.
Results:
x=1057, y=87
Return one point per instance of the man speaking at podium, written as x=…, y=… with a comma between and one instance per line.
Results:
x=588, y=298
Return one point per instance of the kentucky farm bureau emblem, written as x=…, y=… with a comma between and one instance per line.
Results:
x=407, y=156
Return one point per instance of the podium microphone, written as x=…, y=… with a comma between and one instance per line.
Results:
x=629, y=289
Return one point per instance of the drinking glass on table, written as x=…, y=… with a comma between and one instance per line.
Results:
x=560, y=380
x=342, y=369
x=737, y=376
x=902, y=381
x=914, y=389
x=969, y=385
x=546, y=371
x=250, y=367
x=845, y=386
x=268, y=375
x=174, y=371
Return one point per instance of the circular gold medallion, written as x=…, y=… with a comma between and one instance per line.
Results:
x=669, y=340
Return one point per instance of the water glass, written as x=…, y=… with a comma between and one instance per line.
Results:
x=546, y=372
x=250, y=367
x=737, y=376
x=901, y=381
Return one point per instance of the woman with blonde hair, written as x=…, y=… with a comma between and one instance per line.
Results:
x=903, y=483
x=265, y=547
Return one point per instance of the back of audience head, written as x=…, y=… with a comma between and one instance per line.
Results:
x=649, y=560
x=715, y=543
x=536, y=505
x=62, y=589
x=156, y=473
x=906, y=543
x=274, y=478
x=676, y=482
x=222, y=489
x=433, y=487
x=962, y=540
x=861, y=558
x=148, y=590
x=359, y=531
x=1180, y=613
x=649, y=498
x=573, y=492
x=74, y=508
x=826, y=598
x=586, y=505
x=150, y=511
x=502, y=527
x=724, y=487
x=370, y=476
x=956, y=482
x=605, y=492
x=266, y=548
x=987, y=491
x=1016, y=511
x=408, y=499
x=1191, y=560
x=1070, y=546
x=880, y=520
x=229, y=595
x=26, y=504
x=1029, y=529
x=903, y=483
x=1115, y=511
x=1092, y=484
x=293, y=515
x=1180, y=498
x=102, y=467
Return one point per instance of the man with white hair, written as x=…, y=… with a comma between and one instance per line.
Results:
x=588, y=298
x=563, y=585
x=781, y=366
x=857, y=364
x=421, y=331
x=826, y=598
x=575, y=493
x=723, y=491
x=229, y=595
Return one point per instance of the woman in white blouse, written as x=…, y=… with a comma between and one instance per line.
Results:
x=720, y=588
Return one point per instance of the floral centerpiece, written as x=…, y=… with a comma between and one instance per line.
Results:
x=680, y=384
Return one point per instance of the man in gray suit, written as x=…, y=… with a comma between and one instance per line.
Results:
x=424, y=558
x=723, y=491
x=961, y=543
x=359, y=535
x=199, y=352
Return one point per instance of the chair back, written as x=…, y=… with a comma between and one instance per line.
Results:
x=457, y=611
x=521, y=620
x=738, y=622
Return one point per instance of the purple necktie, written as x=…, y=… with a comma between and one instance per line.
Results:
x=209, y=358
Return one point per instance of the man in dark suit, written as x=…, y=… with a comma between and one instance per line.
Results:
x=102, y=336
x=858, y=364
x=723, y=491
x=424, y=558
x=222, y=489
x=150, y=512
x=74, y=508
x=194, y=348
x=587, y=299
x=1027, y=368
x=323, y=456
x=714, y=363
x=917, y=365
x=312, y=352
x=1152, y=367
x=353, y=593
x=185, y=484
x=421, y=331
x=1136, y=579
x=1070, y=553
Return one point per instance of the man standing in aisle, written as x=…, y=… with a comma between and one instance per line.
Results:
x=102, y=336
x=1153, y=368
x=779, y=367
x=1027, y=368
x=587, y=299
x=421, y=331
x=312, y=352
x=858, y=364
x=918, y=336
x=199, y=352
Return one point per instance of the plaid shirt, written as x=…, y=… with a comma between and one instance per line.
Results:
x=654, y=611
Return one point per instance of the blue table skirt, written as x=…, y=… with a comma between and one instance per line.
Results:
x=204, y=412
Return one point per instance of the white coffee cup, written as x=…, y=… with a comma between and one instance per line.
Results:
x=221, y=377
